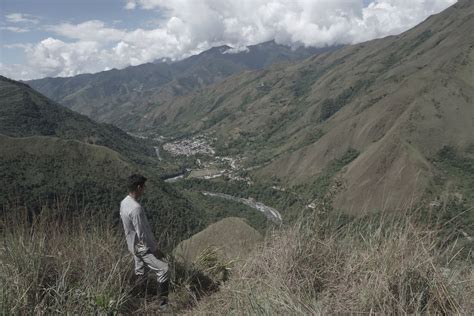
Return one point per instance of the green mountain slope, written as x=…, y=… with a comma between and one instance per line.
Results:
x=25, y=112
x=52, y=155
x=394, y=102
x=124, y=96
x=49, y=166
x=38, y=171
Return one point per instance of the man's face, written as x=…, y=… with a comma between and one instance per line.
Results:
x=140, y=190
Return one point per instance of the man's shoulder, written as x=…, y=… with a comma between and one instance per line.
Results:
x=130, y=204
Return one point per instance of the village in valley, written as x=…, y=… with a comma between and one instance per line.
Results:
x=208, y=164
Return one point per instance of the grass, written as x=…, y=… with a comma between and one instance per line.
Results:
x=63, y=263
x=53, y=264
x=379, y=265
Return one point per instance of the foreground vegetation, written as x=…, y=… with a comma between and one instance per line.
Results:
x=382, y=264
x=63, y=262
x=60, y=262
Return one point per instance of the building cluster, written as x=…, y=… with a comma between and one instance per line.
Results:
x=189, y=147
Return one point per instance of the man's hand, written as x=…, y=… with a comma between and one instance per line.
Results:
x=159, y=254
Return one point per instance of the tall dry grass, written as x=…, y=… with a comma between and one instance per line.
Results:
x=57, y=263
x=79, y=264
x=383, y=265
x=62, y=262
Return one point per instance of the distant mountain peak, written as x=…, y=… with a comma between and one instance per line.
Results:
x=123, y=97
x=216, y=50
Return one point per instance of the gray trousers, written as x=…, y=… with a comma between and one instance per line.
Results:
x=148, y=261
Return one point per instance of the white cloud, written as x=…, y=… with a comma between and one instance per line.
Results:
x=190, y=26
x=22, y=18
x=308, y=22
x=93, y=30
x=57, y=58
x=17, y=71
x=130, y=5
x=17, y=45
x=14, y=29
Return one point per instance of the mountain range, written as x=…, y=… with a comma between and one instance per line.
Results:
x=124, y=96
x=377, y=125
x=391, y=105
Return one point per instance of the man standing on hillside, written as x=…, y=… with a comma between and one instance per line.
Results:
x=140, y=240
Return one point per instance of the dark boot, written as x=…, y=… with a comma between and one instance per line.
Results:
x=163, y=291
x=139, y=285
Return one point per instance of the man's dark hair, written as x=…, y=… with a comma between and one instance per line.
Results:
x=134, y=181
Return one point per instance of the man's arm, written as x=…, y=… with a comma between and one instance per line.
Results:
x=142, y=228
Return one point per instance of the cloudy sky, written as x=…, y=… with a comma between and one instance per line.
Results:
x=68, y=37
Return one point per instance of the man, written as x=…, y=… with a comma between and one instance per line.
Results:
x=140, y=240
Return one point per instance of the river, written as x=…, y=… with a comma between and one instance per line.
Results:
x=269, y=212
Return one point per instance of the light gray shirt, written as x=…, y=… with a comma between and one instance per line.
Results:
x=138, y=233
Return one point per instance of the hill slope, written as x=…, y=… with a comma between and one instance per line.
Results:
x=231, y=238
x=50, y=154
x=25, y=112
x=123, y=96
x=38, y=171
x=50, y=166
x=375, y=115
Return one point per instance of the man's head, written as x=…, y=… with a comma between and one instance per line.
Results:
x=136, y=185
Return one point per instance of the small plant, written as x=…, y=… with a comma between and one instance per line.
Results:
x=212, y=264
x=195, y=280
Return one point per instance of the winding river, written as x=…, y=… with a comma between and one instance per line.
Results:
x=269, y=212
